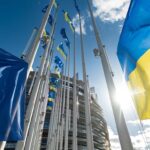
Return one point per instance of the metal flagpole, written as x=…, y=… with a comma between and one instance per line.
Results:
x=35, y=45
x=63, y=106
x=67, y=105
x=124, y=136
x=74, y=102
x=27, y=51
x=30, y=134
x=30, y=59
x=90, y=145
x=60, y=110
x=37, y=105
x=42, y=110
x=36, y=135
x=32, y=101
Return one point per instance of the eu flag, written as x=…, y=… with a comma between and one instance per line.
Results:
x=12, y=96
x=64, y=36
x=134, y=54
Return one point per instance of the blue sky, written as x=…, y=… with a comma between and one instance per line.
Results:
x=18, y=18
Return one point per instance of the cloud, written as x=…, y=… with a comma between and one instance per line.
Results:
x=76, y=24
x=111, y=10
x=140, y=141
x=114, y=140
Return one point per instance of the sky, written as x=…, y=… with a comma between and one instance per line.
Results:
x=18, y=18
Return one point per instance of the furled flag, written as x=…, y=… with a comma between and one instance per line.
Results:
x=76, y=6
x=68, y=19
x=63, y=33
x=45, y=39
x=59, y=62
x=13, y=73
x=60, y=48
x=134, y=54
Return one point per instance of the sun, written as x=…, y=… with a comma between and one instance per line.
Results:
x=123, y=96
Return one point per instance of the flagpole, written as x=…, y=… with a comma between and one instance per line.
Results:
x=63, y=106
x=27, y=51
x=37, y=104
x=74, y=101
x=67, y=105
x=30, y=134
x=20, y=145
x=124, y=136
x=35, y=45
x=90, y=145
x=60, y=111
x=38, y=117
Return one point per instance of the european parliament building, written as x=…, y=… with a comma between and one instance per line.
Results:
x=99, y=126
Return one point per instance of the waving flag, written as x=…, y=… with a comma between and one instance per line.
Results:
x=68, y=20
x=13, y=73
x=59, y=62
x=134, y=54
x=60, y=48
x=63, y=33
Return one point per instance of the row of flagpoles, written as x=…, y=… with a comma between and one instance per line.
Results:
x=60, y=120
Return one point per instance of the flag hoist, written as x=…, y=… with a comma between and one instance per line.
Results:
x=124, y=136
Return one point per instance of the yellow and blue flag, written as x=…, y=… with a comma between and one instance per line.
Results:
x=45, y=39
x=60, y=48
x=134, y=54
x=68, y=20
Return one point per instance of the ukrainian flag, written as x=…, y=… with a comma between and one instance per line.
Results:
x=60, y=48
x=134, y=54
x=68, y=19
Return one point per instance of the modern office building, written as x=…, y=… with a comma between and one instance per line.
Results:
x=99, y=126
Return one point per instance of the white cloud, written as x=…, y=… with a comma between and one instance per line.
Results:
x=111, y=10
x=76, y=24
x=114, y=140
x=140, y=141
